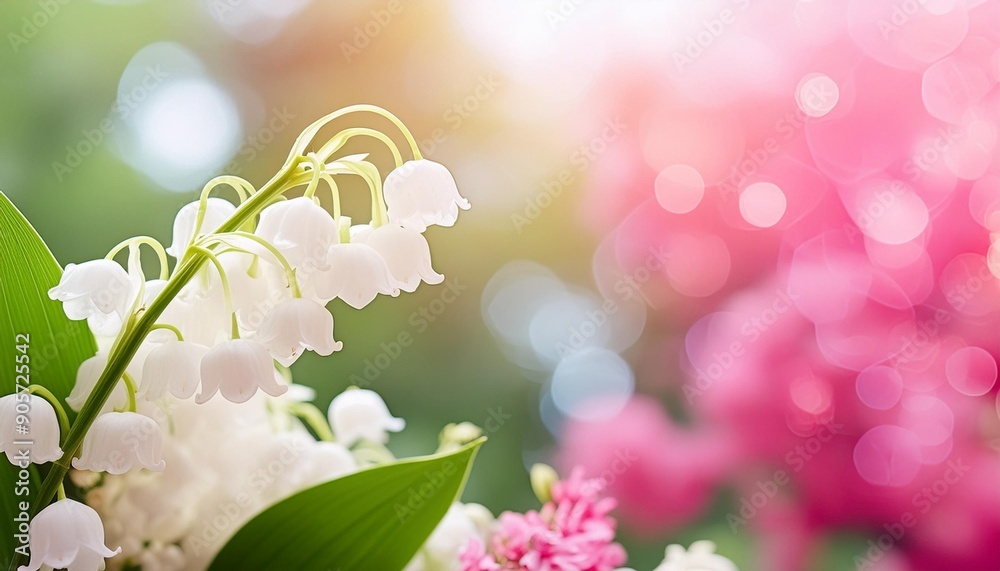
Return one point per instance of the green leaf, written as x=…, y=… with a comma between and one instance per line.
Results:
x=375, y=519
x=56, y=346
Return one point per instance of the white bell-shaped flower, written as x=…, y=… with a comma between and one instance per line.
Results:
x=324, y=461
x=99, y=291
x=300, y=229
x=118, y=442
x=357, y=274
x=297, y=325
x=42, y=429
x=406, y=253
x=361, y=414
x=173, y=367
x=421, y=193
x=199, y=313
x=86, y=379
x=237, y=368
x=67, y=535
x=700, y=556
x=217, y=211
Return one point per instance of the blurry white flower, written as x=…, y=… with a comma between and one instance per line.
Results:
x=361, y=414
x=300, y=229
x=237, y=368
x=174, y=366
x=217, y=211
x=99, y=291
x=68, y=534
x=406, y=253
x=297, y=325
x=324, y=461
x=86, y=379
x=357, y=274
x=44, y=428
x=199, y=312
x=440, y=551
x=120, y=441
x=421, y=193
x=700, y=556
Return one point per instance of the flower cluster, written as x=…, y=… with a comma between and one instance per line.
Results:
x=572, y=531
x=245, y=298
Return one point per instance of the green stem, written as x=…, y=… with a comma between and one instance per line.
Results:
x=331, y=146
x=60, y=411
x=289, y=271
x=364, y=170
x=317, y=171
x=161, y=254
x=120, y=357
x=168, y=327
x=314, y=418
x=243, y=188
x=222, y=274
x=130, y=390
x=61, y=492
x=299, y=147
x=334, y=194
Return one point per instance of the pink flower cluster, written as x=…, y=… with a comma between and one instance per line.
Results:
x=826, y=180
x=573, y=532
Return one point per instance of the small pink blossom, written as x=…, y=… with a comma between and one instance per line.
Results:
x=573, y=532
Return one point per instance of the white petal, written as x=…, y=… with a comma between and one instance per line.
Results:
x=86, y=379
x=300, y=229
x=294, y=326
x=421, y=193
x=217, y=211
x=361, y=414
x=175, y=367
x=357, y=274
x=407, y=255
x=43, y=427
x=97, y=287
x=237, y=368
x=68, y=534
x=118, y=442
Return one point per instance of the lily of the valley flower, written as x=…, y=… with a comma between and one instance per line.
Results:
x=174, y=366
x=700, y=556
x=67, y=535
x=237, y=368
x=44, y=429
x=406, y=253
x=300, y=229
x=217, y=211
x=361, y=414
x=121, y=441
x=99, y=291
x=422, y=193
x=357, y=274
x=294, y=326
x=86, y=379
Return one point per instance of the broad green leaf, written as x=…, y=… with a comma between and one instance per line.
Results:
x=56, y=346
x=375, y=519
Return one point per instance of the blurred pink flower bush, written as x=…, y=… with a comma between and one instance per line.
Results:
x=825, y=178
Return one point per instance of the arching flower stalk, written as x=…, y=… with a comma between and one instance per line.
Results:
x=247, y=289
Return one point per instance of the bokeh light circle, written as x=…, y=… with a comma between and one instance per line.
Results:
x=592, y=384
x=971, y=371
x=888, y=455
x=679, y=188
x=817, y=94
x=879, y=387
x=762, y=204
